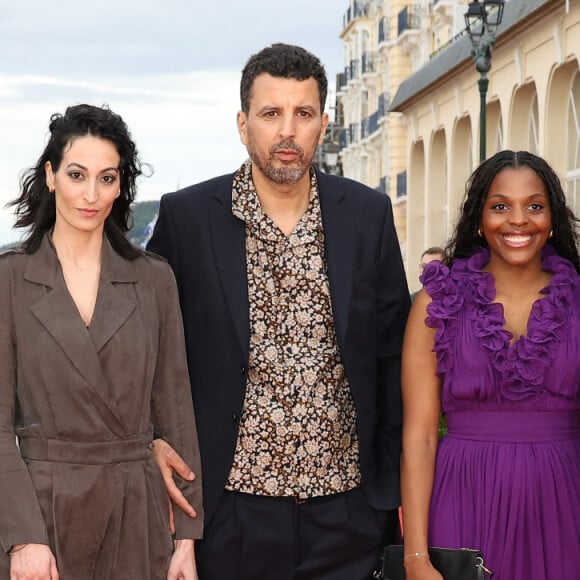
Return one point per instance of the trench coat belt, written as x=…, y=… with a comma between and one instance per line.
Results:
x=82, y=452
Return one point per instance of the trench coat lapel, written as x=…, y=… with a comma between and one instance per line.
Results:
x=113, y=306
x=337, y=220
x=229, y=241
x=57, y=313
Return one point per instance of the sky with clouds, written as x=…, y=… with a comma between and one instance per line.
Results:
x=171, y=68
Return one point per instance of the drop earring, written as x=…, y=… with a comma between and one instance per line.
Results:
x=480, y=233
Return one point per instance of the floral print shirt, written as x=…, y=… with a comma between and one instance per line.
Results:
x=297, y=432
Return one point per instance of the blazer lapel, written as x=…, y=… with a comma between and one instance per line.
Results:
x=229, y=241
x=339, y=243
x=228, y=234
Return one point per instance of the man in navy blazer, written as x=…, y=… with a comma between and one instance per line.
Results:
x=294, y=301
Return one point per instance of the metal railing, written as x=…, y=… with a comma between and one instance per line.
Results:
x=353, y=133
x=385, y=29
x=374, y=123
x=368, y=62
x=369, y=125
x=384, y=104
x=351, y=71
x=355, y=10
x=409, y=18
x=364, y=128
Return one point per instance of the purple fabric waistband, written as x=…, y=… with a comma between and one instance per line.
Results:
x=514, y=427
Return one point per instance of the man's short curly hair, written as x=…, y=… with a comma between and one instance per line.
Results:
x=283, y=61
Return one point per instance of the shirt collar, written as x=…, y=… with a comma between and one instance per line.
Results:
x=246, y=207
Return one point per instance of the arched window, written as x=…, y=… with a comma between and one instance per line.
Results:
x=499, y=136
x=573, y=148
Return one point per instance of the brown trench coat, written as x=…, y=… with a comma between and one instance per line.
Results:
x=84, y=404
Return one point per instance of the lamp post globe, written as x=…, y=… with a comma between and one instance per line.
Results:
x=482, y=20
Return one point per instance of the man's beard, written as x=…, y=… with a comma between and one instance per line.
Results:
x=284, y=175
x=281, y=175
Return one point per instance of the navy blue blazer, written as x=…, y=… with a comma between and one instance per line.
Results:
x=205, y=244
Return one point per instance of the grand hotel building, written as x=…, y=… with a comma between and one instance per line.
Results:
x=408, y=103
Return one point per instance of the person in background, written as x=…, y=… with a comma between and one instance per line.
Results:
x=294, y=302
x=493, y=340
x=430, y=254
x=92, y=363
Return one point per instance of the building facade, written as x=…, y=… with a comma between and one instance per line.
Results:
x=385, y=42
x=427, y=140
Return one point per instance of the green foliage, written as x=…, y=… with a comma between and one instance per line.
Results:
x=144, y=216
x=442, y=426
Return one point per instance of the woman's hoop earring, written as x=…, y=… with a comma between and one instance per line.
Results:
x=480, y=233
x=551, y=234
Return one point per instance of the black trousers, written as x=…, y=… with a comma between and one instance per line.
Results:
x=336, y=537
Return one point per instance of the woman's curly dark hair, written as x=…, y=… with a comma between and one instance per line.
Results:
x=36, y=206
x=564, y=224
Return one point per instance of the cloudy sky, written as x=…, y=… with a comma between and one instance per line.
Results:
x=171, y=68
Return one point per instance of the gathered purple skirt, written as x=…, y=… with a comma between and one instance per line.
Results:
x=508, y=484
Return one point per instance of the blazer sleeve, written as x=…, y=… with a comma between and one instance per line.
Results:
x=392, y=311
x=172, y=407
x=21, y=519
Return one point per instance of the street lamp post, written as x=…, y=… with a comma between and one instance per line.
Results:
x=482, y=19
x=330, y=152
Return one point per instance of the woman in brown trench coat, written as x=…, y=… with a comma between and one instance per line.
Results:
x=92, y=365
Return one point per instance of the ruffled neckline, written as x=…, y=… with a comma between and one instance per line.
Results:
x=520, y=366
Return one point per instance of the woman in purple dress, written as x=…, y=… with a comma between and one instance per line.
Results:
x=493, y=341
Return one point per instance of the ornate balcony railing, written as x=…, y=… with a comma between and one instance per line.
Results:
x=384, y=103
x=384, y=29
x=409, y=18
x=355, y=10
x=368, y=62
x=374, y=123
x=369, y=125
x=353, y=133
x=354, y=69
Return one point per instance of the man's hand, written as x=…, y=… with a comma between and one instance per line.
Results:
x=33, y=562
x=169, y=461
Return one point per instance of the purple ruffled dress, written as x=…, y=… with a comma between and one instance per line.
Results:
x=507, y=478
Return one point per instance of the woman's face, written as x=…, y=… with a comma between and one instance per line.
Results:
x=86, y=184
x=517, y=219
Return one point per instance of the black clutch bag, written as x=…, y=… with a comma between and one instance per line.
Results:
x=453, y=564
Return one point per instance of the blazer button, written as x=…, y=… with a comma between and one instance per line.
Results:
x=243, y=370
x=234, y=418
